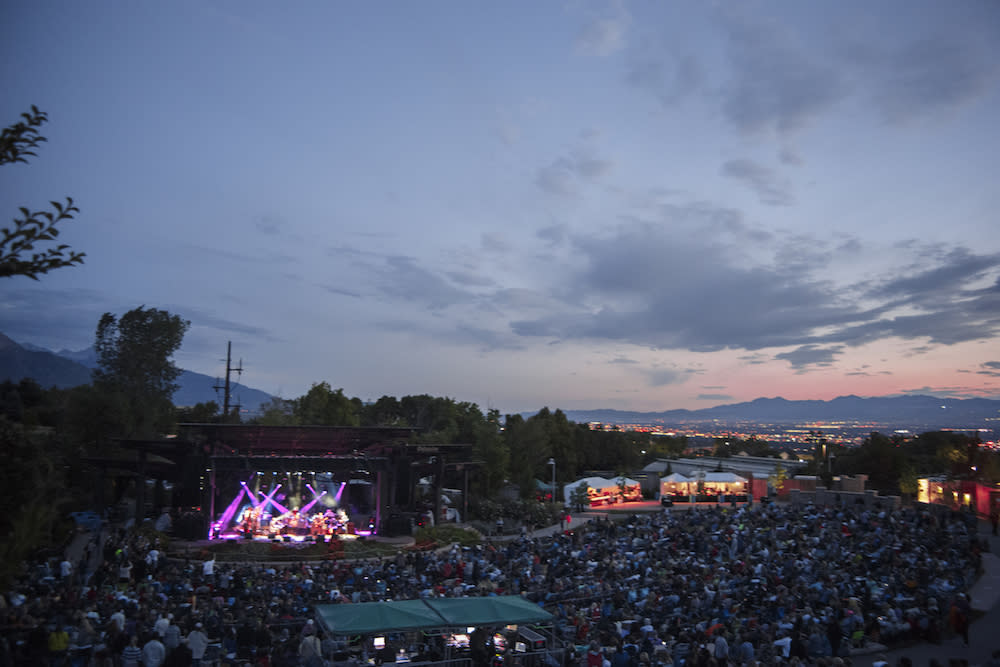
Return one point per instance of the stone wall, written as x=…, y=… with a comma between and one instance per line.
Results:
x=824, y=496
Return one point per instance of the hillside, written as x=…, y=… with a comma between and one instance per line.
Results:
x=46, y=368
x=68, y=368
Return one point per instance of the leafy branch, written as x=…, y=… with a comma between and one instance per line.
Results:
x=18, y=140
x=36, y=227
x=17, y=245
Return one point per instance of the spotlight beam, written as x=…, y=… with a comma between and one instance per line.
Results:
x=251, y=495
x=229, y=512
x=311, y=503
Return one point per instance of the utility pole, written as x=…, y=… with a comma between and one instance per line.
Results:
x=227, y=393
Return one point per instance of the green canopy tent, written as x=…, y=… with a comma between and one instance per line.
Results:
x=496, y=610
x=436, y=613
x=367, y=617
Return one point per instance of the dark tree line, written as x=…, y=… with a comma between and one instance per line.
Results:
x=894, y=463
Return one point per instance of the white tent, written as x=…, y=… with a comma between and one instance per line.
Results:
x=724, y=483
x=675, y=478
x=632, y=491
x=723, y=478
x=599, y=484
x=676, y=483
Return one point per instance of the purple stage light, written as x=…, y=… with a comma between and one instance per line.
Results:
x=340, y=491
x=269, y=498
x=251, y=495
x=312, y=502
x=281, y=508
x=228, y=514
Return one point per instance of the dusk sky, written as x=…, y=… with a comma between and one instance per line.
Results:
x=645, y=206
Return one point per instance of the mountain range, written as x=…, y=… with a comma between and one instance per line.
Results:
x=912, y=411
x=71, y=368
x=68, y=368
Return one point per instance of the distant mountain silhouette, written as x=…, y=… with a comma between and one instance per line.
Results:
x=69, y=368
x=44, y=367
x=198, y=388
x=917, y=410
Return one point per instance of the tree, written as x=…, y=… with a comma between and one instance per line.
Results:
x=908, y=480
x=34, y=494
x=383, y=412
x=277, y=412
x=17, y=245
x=135, y=367
x=199, y=413
x=580, y=496
x=491, y=449
x=322, y=406
x=778, y=477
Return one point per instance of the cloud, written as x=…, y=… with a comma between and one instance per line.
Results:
x=754, y=359
x=934, y=74
x=714, y=397
x=268, y=225
x=699, y=278
x=565, y=175
x=678, y=290
x=923, y=284
x=54, y=318
x=776, y=84
x=342, y=292
x=762, y=180
x=791, y=157
x=810, y=355
x=669, y=78
x=493, y=242
x=400, y=277
x=553, y=234
x=470, y=278
x=603, y=36
x=623, y=360
x=991, y=368
x=202, y=318
x=950, y=392
x=661, y=377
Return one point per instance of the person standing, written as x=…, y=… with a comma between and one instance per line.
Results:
x=958, y=616
x=197, y=641
x=132, y=654
x=311, y=651
x=153, y=653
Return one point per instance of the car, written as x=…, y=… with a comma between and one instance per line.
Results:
x=667, y=501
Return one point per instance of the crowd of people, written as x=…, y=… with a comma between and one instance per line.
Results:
x=707, y=586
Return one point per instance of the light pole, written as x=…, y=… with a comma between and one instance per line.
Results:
x=552, y=462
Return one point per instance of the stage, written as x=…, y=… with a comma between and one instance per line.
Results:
x=290, y=510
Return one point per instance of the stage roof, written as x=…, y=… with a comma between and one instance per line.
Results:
x=433, y=613
x=258, y=440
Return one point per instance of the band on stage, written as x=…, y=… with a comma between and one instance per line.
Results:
x=257, y=522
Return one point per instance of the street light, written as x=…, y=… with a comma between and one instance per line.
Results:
x=552, y=462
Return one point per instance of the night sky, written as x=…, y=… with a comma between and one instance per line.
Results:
x=646, y=206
